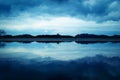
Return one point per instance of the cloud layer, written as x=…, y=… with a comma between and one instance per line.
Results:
x=97, y=10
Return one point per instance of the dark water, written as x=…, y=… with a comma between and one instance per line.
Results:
x=64, y=61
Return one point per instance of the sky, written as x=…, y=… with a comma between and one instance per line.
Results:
x=69, y=17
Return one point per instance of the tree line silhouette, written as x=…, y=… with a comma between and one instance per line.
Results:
x=60, y=36
x=3, y=34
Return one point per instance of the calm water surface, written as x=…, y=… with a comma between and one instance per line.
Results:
x=64, y=61
x=62, y=51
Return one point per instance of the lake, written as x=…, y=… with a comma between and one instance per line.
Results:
x=63, y=61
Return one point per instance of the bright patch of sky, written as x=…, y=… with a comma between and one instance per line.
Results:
x=60, y=16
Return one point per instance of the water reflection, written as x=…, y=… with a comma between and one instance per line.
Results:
x=2, y=44
x=65, y=61
x=63, y=51
x=89, y=68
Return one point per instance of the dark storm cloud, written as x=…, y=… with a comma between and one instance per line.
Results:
x=98, y=10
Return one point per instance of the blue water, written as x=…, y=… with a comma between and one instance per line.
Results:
x=64, y=61
x=62, y=51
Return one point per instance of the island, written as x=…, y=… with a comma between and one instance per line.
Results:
x=79, y=38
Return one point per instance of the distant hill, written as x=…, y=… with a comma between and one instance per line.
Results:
x=79, y=38
x=60, y=36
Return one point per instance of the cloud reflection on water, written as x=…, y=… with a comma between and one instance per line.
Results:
x=63, y=51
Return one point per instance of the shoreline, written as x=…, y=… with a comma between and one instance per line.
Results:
x=60, y=39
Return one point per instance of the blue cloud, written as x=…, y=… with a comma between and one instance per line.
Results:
x=4, y=9
x=98, y=10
